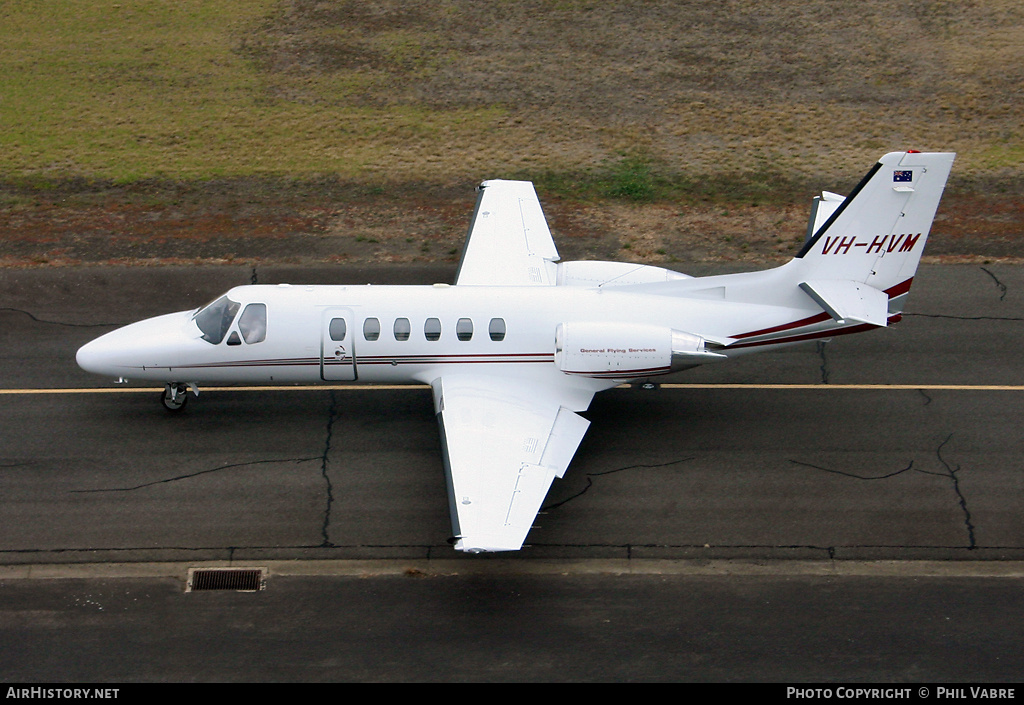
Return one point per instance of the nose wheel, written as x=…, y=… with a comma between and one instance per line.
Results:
x=175, y=396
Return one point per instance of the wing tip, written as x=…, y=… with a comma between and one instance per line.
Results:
x=487, y=545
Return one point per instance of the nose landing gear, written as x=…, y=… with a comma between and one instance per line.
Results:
x=175, y=395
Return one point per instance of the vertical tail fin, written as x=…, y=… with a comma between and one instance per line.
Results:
x=877, y=235
x=856, y=266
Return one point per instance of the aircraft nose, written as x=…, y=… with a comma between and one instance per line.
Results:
x=96, y=357
x=86, y=357
x=127, y=351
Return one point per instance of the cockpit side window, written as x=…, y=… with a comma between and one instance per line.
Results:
x=252, y=324
x=215, y=319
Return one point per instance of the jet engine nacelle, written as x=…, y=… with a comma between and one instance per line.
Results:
x=626, y=350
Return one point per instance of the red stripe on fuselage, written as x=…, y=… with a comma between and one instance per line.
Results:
x=492, y=358
x=818, y=318
x=860, y=328
x=892, y=292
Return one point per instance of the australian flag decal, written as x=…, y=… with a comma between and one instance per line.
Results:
x=905, y=176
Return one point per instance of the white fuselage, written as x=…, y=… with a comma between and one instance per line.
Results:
x=500, y=330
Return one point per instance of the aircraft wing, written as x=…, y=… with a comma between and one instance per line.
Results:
x=504, y=442
x=509, y=243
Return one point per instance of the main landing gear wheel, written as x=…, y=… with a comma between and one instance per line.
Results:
x=174, y=397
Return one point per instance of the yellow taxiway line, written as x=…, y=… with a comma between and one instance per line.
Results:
x=884, y=387
x=400, y=387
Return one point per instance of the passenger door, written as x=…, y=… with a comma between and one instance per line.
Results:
x=337, y=345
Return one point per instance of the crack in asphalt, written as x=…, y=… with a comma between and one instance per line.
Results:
x=188, y=476
x=964, y=318
x=950, y=473
x=1002, y=287
x=58, y=323
x=331, y=416
x=822, y=347
x=956, y=488
x=590, y=481
x=910, y=466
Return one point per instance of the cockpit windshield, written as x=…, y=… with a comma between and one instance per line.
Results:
x=215, y=319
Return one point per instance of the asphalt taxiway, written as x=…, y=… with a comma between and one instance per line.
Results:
x=900, y=447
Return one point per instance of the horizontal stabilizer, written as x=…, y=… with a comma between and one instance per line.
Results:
x=846, y=300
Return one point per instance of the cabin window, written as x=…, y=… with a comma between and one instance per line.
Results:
x=215, y=319
x=432, y=329
x=371, y=329
x=337, y=329
x=464, y=329
x=496, y=329
x=402, y=329
x=252, y=324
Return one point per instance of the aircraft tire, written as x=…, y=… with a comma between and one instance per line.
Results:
x=171, y=404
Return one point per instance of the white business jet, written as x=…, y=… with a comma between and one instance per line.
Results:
x=522, y=342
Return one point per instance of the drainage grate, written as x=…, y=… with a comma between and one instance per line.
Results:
x=238, y=579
